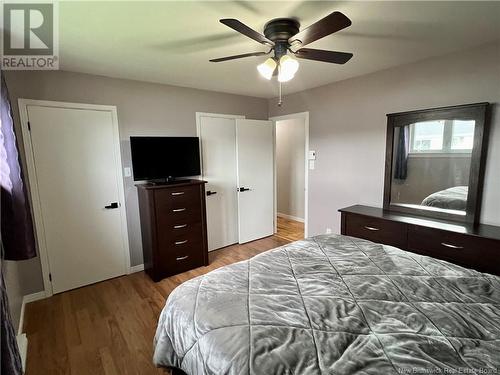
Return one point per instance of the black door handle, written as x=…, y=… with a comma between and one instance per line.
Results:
x=242, y=189
x=211, y=192
x=111, y=206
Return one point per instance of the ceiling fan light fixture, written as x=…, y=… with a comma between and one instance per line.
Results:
x=287, y=69
x=266, y=69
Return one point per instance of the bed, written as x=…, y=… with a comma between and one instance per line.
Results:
x=333, y=305
x=454, y=198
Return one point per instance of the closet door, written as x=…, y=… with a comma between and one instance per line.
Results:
x=218, y=150
x=255, y=169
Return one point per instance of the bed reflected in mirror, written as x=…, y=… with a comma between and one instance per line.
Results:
x=431, y=165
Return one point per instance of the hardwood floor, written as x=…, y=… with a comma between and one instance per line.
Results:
x=108, y=328
x=290, y=230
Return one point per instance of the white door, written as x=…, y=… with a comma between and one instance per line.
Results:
x=76, y=167
x=255, y=155
x=218, y=148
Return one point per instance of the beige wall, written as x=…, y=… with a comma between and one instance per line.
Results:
x=347, y=127
x=143, y=109
x=290, y=161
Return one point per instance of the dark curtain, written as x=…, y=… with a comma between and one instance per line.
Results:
x=17, y=227
x=403, y=145
x=17, y=237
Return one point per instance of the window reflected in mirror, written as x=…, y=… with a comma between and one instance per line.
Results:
x=431, y=165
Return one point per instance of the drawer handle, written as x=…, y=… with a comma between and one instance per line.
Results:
x=180, y=226
x=181, y=242
x=182, y=258
x=372, y=228
x=451, y=246
x=178, y=193
x=179, y=209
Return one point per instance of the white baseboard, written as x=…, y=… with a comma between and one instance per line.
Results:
x=27, y=299
x=138, y=268
x=290, y=217
x=22, y=345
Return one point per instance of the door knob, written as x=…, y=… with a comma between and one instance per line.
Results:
x=111, y=206
x=211, y=192
x=242, y=189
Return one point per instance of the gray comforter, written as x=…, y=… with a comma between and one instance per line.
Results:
x=333, y=305
x=454, y=198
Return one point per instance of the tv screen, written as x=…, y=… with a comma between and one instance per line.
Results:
x=164, y=157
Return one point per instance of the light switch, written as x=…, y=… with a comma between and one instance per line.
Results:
x=127, y=172
x=311, y=164
x=312, y=155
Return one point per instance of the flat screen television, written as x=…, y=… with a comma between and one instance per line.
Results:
x=155, y=158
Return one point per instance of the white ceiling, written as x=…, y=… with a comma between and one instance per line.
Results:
x=172, y=41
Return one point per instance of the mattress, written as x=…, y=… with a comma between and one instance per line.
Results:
x=333, y=305
x=454, y=198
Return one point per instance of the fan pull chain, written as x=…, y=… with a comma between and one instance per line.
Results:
x=280, y=101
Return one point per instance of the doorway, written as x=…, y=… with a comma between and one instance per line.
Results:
x=291, y=175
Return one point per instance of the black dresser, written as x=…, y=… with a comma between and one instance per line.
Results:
x=173, y=226
x=472, y=246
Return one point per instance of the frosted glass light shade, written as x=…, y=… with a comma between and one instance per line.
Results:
x=288, y=68
x=266, y=69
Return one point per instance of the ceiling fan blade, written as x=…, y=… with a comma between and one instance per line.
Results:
x=245, y=30
x=330, y=24
x=322, y=55
x=220, y=59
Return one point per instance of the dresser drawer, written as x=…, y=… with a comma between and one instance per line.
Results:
x=171, y=238
x=184, y=231
x=182, y=257
x=168, y=217
x=376, y=230
x=182, y=196
x=471, y=251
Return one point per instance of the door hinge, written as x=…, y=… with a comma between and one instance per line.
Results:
x=29, y=126
x=50, y=276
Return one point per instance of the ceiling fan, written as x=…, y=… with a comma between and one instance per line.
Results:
x=283, y=36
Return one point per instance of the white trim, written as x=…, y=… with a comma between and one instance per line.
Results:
x=136, y=268
x=27, y=299
x=33, y=183
x=290, y=217
x=22, y=345
x=305, y=116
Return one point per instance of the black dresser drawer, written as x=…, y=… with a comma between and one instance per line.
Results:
x=178, y=197
x=470, y=251
x=475, y=246
x=376, y=230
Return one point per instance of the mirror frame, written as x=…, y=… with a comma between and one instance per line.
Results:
x=479, y=112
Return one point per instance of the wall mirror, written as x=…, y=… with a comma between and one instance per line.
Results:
x=435, y=162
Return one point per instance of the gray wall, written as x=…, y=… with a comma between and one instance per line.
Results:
x=429, y=174
x=143, y=109
x=290, y=161
x=347, y=127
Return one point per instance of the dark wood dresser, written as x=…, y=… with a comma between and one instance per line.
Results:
x=173, y=226
x=472, y=246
